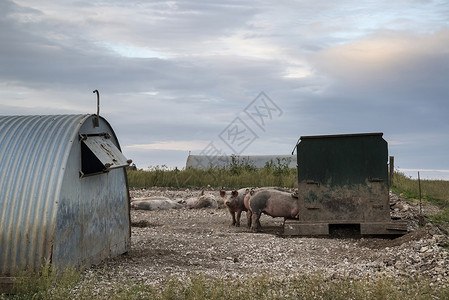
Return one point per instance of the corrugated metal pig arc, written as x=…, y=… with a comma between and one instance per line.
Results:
x=32, y=178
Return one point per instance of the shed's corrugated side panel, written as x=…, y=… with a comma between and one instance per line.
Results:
x=33, y=155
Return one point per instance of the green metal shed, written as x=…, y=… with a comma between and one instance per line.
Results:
x=343, y=180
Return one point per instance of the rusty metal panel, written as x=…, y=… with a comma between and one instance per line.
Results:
x=105, y=150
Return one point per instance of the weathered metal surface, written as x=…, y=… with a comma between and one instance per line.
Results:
x=343, y=159
x=343, y=179
x=105, y=150
x=43, y=200
x=294, y=227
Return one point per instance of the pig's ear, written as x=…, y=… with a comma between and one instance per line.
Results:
x=222, y=193
x=252, y=192
x=234, y=193
x=246, y=191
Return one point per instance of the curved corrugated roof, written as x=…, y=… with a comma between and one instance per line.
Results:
x=33, y=155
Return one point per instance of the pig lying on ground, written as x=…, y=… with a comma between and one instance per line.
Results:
x=235, y=204
x=273, y=203
x=155, y=203
x=189, y=202
x=204, y=200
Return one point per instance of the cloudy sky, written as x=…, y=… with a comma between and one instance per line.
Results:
x=245, y=77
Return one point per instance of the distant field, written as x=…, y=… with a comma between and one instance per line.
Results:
x=279, y=175
x=237, y=176
x=244, y=175
x=431, y=190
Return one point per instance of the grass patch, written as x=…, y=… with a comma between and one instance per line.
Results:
x=435, y=192
x=441, y=218
x=200, y=287
x=47, y=283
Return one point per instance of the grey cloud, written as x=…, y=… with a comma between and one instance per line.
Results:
x=203, y=74
x=40, y=60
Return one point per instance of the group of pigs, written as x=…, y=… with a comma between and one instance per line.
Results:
x=163, y=203
x=269, y=201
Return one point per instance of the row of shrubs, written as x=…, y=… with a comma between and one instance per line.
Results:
x=238, y=174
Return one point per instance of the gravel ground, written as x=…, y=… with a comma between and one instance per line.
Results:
x=179, y=242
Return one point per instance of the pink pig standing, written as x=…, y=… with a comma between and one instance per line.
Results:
x=273, y=203
x=235, y=204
